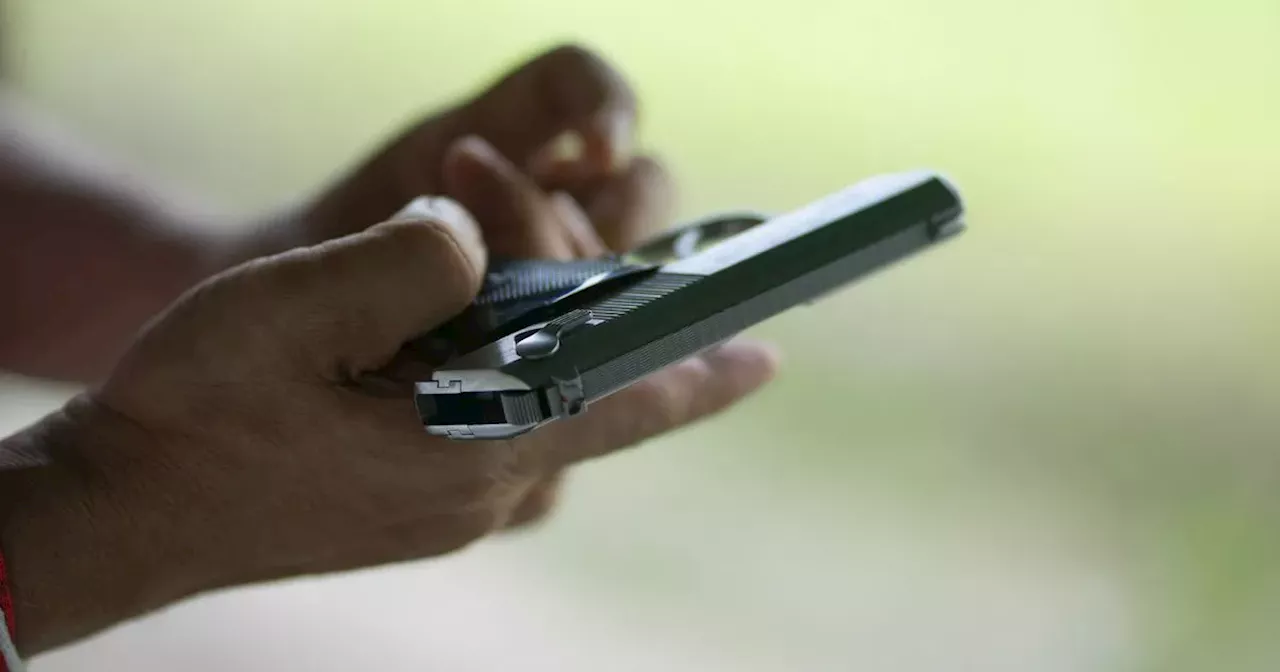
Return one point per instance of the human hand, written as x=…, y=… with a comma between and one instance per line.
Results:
x=96, y=252
x=242, y=437
x=565, y=92
x=524, y=222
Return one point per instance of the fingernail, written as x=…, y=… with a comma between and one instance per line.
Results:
x=439, y=209
x=418, y=208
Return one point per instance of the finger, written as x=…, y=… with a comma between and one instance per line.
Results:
x=630, y=207
x=625, y=208
x=567, y=89
x=555, y=169
x=672, y=398
x=348, y=305
x=537, y=503
x=581, y=234
x=569, y=175
x=517, y=218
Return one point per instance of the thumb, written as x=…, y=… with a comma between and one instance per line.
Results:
x=354, y=301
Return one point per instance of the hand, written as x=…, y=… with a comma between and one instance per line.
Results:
x=565, y=92
x=523, y=222
x=91, y=253
x=240, y=439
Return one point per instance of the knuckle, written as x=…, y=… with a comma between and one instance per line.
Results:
x=252, y=292
x=474, y=490
x=594, y=83
x=572, y=54
x=487, y=472
x=534, y=509
x=497, y=459
x=479, y=522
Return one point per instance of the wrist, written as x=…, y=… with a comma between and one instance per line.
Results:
x=83, y=553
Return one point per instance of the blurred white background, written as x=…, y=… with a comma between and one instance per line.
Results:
x=1052, y=446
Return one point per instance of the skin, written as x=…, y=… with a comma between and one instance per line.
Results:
x=123, y=249
x=256, y=427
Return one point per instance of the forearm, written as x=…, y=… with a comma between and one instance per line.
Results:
x=88, y=254
x=80, y=557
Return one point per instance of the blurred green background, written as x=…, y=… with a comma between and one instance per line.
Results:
x=1052, y=445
